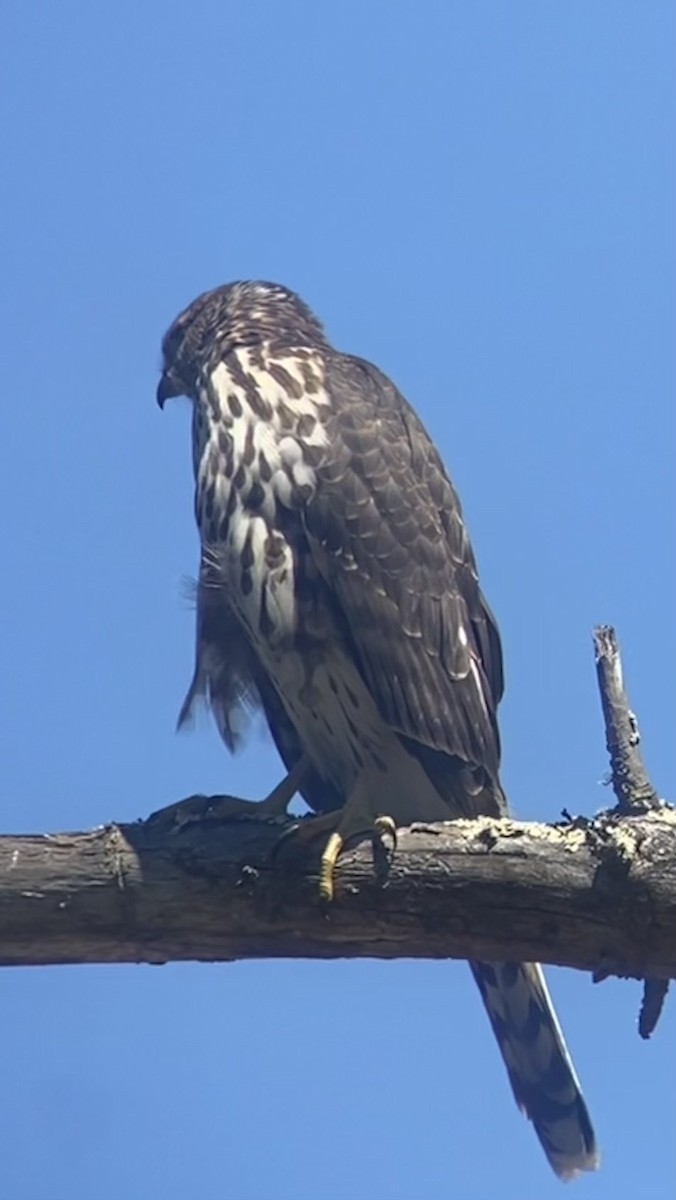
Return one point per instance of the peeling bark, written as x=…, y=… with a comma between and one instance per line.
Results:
x=598, y=895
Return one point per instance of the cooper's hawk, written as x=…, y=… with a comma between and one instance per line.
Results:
x=338, y=590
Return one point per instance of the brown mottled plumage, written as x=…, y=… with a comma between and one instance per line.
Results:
x=338, y=591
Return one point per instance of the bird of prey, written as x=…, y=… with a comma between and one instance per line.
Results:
x=338, y=591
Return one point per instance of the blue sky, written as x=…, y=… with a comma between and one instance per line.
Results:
x=480, y=198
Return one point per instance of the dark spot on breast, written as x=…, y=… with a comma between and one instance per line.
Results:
x=227, y=464
x=223, y=529
x=235, y=404
x=249, y=450
x=257, y=402
x=246, y=583
x=256, y=496
x=333, y=685
x=309, y=378
x=213, y=460
x=306, y=425
x=286, y=380
x=224, y=442
x=236, y=372
x=273, y=550
x=231, y=504
x=313, y=455
x=264, y=468
x=247, y=556
x=214, y=404
x=240, y=478
x=286, y=418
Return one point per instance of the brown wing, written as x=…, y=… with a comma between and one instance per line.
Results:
x=386, y=531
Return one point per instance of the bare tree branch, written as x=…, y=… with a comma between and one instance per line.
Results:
x=191, y=883
x=628, y=775
x=595, y=895
x=633, y=789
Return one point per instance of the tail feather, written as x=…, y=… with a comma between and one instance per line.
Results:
x=539, y=1066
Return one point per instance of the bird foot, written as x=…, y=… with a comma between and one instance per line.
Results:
x=383, y=838
x=231, y=808
x=198, y=809
x=382, y=835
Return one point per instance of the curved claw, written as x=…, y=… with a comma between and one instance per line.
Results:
x=384, y=845
x=304, y=831
x=382, y=833
x=329, y=859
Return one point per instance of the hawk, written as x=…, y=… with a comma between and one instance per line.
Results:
x=338, y=591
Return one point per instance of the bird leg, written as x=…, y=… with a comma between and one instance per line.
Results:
x=276, y=804
x=232, y=808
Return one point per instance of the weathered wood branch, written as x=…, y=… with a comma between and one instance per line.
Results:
x=189, y=883
x=598, y=895
x=632, y=787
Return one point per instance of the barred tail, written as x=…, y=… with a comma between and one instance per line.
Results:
x=539, y=1066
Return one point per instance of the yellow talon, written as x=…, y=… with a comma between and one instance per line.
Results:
x=385, y=826
x=329, y=858
x=384, y=845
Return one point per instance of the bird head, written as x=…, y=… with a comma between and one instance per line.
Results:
x=237, y=314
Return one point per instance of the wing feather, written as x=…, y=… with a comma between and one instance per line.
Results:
x=385, y=529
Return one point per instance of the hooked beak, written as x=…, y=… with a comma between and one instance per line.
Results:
x=168, y=387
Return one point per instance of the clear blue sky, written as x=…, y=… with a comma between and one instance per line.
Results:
x=480, y=198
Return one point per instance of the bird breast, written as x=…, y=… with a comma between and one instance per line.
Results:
x=258, y=435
